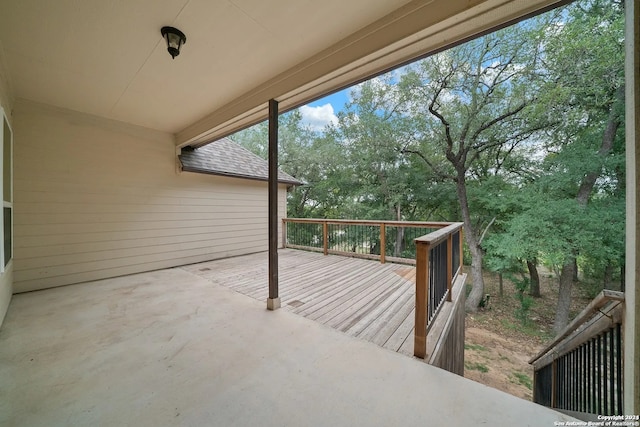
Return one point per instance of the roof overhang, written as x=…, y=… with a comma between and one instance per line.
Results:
x=226, y=158
x=107, y=58
x=288, y=183
x=417, y=29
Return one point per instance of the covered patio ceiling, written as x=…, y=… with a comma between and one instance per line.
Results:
x=107, y=57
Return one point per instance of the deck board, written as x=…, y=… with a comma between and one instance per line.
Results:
x=351, y=307
x=362, y=298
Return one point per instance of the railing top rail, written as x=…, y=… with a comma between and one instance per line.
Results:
x=439, y=235
x=426, y=224
x=603, y=298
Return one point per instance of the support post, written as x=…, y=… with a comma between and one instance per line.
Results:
x=284, y=233
x=449, y=267
x=422, y=298
x=325, y=238
x=461, y=246
x=631, y=322
x=273, y=302
x=383, y=242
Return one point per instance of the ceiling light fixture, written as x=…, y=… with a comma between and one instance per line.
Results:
x=175, y=39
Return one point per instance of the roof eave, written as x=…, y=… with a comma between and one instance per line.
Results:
x=238, y=175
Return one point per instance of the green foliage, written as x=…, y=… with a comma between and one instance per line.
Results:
x=528, y=329
x=523, y=379
x=505, y=129
x=476, y=366
x=585, y=58
x=466, y=255
x=522, y=312
x=316, y=159
x=475, y=347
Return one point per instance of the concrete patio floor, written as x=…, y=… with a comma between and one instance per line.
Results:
x=169, y=348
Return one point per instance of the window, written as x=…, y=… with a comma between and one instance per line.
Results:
x=7, y=192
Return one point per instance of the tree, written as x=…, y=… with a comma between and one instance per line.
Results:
x=312, y=157
x=586, y=59
x=369, y=130
x=475, y=105
x=518, y=132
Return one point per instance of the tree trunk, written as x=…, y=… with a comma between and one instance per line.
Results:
x=374, y=248
x=477, y=289
x=608, y=137
x=500, y=282
x=398, y=248
x=399, y=245
x=608, y=277
x=586, y=187
x=534, y=278
x=564, y=297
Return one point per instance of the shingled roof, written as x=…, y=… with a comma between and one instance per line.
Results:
x=225, y=157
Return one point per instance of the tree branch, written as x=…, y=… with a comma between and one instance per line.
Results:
x=613, y=122
x=498, y=119
x=484, y=232
x=436, y=170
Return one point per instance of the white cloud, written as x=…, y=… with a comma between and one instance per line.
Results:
x=318, y=117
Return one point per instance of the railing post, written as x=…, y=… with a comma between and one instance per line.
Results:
x=325, y=240
x=449, y=266
x=461, y=246
x=383, y=241
x=422, y=298
x=284, y=233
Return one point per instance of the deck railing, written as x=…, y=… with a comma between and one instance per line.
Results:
x=438, y=263
x=581, y=371
x=392, y=241
x=436, y=250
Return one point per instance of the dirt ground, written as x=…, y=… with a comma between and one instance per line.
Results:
x=498, y=346
x=505, y=362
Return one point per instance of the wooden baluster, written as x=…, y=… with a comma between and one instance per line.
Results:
x=554, y=383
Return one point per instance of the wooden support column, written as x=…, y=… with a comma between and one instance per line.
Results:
x=383, y=242
x=325, y=238
x=461, y=246
x=273, y=302
x=284, y=234
x=631, y=322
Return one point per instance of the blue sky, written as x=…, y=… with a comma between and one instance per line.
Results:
x=338, y=100
x=319, y=113
x=323, y=111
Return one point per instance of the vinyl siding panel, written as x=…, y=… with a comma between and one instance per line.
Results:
x=97, y=199
x=6, y=277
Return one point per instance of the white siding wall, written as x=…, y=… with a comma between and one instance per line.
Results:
x=6, y=278
x=97, y=199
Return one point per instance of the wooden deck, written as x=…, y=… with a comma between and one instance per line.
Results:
x=362, y=298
